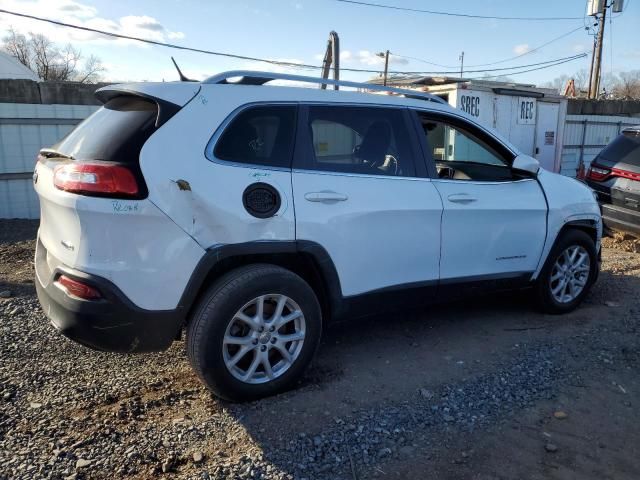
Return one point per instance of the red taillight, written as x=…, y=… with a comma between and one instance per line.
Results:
x=96, y=179
x=598, y=173
x=78, y=289
x=625, y=174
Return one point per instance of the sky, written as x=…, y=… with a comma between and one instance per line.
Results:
x=297, y=31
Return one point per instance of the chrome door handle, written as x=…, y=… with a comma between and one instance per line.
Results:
x=325, y=196
x=463, y=198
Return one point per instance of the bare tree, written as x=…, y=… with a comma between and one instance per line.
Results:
x=581, y=79
x=557, y=83
x=16, y=44
x=625, y=85
x=628, y=86
x=92, y=70
x=51, y=62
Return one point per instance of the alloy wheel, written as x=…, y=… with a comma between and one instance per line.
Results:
x=570, y=274
x=264, y=338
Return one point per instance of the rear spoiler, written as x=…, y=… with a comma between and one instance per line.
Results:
x=170, y=97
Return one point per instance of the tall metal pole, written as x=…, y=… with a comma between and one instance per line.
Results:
x=386, y=68
x=331, y=56
x=335, y=41
x=597, y=64
x=461, y=58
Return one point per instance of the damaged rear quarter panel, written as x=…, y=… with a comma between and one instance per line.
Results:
x=203, y=197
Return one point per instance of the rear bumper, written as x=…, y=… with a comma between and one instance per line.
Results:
x=619, y=218
x=112, y=323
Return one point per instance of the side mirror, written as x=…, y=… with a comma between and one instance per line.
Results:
x=525, y=163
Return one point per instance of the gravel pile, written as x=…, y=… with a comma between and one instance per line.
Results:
x=71, y=413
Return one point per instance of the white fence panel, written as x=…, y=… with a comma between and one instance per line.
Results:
x=24, y=130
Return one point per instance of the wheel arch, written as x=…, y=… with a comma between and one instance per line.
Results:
x=306, y=259
x=590, y=226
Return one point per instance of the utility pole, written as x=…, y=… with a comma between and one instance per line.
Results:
x=593, y=56
x=461, y=58
x=597, y=58
x=384, y=55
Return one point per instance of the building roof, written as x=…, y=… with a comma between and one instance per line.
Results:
x=12, y=68
x=414, y=80
x=440, y=84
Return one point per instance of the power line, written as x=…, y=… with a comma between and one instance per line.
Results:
x=532, y=69
x=422, y=60
x=451, y=14
x=497, y=62
x=529, y=51
x=572, y=57
x=256, y=59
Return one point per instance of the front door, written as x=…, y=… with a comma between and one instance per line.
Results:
x=359, y=194
x=494, y=221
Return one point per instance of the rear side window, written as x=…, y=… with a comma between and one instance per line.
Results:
x=625, y=148
x=364, y=140
x=259, y=136
x=116, y=132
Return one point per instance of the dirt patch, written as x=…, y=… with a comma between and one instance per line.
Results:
x=17, y=246
x=622, y=241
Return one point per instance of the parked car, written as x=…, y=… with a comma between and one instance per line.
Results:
x=615, y=177
x=253, y=215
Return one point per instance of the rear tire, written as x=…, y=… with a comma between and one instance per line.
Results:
x=568, y=274
x=254, y=332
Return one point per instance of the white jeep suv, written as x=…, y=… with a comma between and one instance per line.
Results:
x=252, y=215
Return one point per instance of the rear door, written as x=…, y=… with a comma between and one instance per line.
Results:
x=494, y=221
x=360, y=194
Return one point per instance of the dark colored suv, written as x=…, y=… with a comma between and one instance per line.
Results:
x=615, y=177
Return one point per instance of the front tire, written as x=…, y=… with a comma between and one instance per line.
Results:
x=254, y=332
x=568, y=274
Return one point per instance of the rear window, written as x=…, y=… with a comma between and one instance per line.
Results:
x=625, y=149
x=116, y=132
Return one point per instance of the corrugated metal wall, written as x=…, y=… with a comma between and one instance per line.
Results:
x=24, y=129
x=586, y=135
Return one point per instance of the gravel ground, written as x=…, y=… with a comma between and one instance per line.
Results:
x=484, y=389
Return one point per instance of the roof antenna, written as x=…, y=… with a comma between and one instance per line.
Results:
x=182, y=77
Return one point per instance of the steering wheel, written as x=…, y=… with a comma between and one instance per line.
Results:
x=390, y=162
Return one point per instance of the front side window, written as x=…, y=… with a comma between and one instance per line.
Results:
x=460, y=154
x=364, y=140
x=261, y=135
